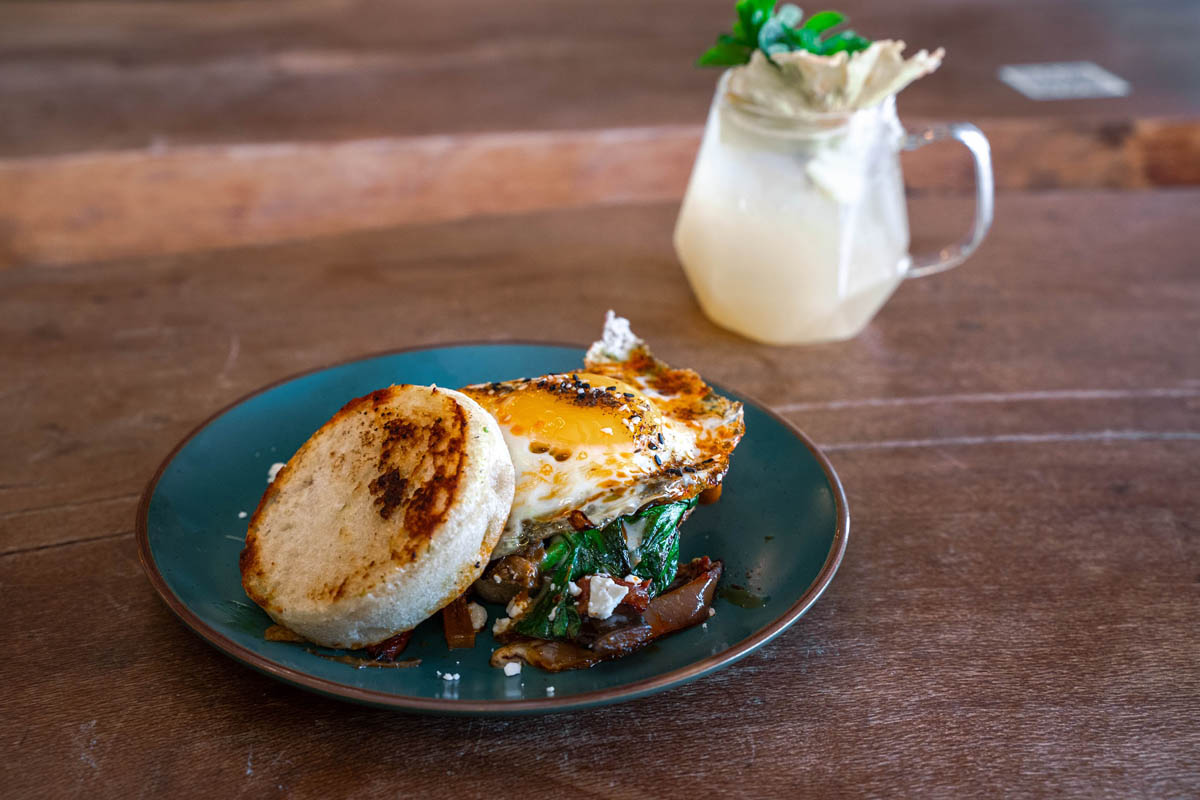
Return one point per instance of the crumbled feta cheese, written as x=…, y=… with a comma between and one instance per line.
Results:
x=516, y=607
x=478, y=615
x=574, y=590
x=553, y=613
x=616, y=343
x=496, y=579
x=501, y=625
x=512, y=668
x=604, y=596
x=273, y=472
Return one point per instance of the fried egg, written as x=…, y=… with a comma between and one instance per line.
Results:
x=624, y=432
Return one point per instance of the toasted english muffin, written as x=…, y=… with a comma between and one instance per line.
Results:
x=385, y=515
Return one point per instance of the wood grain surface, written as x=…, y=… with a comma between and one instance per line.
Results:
x=134, y=128
x=77, y=208
x=128, y=74
x=1019, y=439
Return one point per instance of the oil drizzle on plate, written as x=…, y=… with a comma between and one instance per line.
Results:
x=741, y=598
x=358, y=662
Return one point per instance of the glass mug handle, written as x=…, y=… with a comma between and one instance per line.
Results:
x=952, y=255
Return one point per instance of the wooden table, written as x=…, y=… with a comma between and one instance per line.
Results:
x=199, y=198
x=146, y=127
x=1019, y=440
x=80, y=75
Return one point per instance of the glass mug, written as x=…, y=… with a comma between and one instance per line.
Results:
x=794, y=228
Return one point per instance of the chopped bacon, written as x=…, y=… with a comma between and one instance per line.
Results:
x=637, y=597
x=388, y=649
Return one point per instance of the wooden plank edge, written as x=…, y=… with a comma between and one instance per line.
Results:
x=78, y=208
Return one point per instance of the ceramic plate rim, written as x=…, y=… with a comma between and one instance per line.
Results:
x=623, y=692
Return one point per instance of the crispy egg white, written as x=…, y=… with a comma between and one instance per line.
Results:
x=625, y=432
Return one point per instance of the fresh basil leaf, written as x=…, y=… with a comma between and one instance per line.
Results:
x=762, y=9
x=571, y=556
x=601, y=550
x=555, y=553
x=802, y=39
x=553, y=615
x=752, y=14
x=745, y=15
x=847, y=41
x=659, y=550
x=759, y=25
x=823, y=21
x=725, y=55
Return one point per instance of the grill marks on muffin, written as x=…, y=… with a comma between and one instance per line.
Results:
x=390, y=491
x=418, y=470
x=362, y=532
x=391, y=486
x=431, y=501
x=421, y=489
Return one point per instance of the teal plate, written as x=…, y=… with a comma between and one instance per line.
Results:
x=780, y=527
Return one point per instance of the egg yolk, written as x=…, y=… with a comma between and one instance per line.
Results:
x=562, y=416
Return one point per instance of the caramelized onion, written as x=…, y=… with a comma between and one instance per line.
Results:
x=623, y=641
x=683, y=606
x=456, y=623
x=550, y=656
x=388, y=649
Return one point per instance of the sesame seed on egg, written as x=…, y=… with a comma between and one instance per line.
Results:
x=570, y=455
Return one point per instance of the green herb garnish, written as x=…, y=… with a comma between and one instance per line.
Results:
x=571, y=556
x=759, y=26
